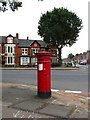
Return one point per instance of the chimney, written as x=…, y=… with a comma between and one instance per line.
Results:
x=17, y=35
x=27, y=38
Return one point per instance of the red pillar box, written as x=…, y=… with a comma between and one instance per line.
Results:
x=44, y=74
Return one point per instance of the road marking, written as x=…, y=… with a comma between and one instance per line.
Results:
x=54, y=90
x=22, y=116
x=54, y=101
x=17, y=98
x=28, y=85
x=29, y=116
x=68, y=91
x=15, y=115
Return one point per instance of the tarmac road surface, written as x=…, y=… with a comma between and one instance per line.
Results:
x=61, y=79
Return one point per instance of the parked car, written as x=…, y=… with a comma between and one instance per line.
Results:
x=83, y=63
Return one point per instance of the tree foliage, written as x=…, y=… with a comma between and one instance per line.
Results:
x=70, y=56
x=59, y=28
x=12, y=4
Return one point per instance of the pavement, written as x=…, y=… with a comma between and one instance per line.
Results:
x=78, y=67
x=21, y=101
x=34, y=68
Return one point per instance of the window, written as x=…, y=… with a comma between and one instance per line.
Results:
x=9, y=49
x=35, y=44
x=34, y=61
x=9, y=60
x=24, y=51
x=35, y=50
x=24, y=60
x=9, y=39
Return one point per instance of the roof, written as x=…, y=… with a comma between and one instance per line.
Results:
x=28, y=43
x=42, y=43
x=23, y=42
x=2, y=39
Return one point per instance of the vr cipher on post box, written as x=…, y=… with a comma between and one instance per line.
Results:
x=44, y=74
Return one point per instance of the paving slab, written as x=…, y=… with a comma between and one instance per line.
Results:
x=80, y=113
x=14, y=113
x=28, y=105
x=14, y=94
x=57, y=110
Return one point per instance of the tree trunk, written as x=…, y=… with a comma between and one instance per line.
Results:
x=59, y=55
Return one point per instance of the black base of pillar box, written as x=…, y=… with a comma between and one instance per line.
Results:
x=44, y=94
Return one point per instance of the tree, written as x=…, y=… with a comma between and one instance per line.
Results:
x=59, y=28
x=12, y=4
x=70, y=56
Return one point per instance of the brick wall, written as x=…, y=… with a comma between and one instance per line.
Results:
x=0, y=52
x=18, y=54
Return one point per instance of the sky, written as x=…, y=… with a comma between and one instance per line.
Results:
x=25, y=21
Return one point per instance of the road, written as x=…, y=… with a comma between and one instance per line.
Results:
x=61, y=79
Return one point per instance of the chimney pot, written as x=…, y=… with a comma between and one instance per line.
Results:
x=27, y=38
x=17, y=35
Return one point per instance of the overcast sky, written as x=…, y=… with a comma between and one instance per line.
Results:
x=25, y=21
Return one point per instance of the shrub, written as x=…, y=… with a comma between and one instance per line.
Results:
x=55, y=64
x=68, y=65
x=2, y=62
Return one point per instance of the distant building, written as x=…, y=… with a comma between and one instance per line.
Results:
x=15, y=51
x=83, y=57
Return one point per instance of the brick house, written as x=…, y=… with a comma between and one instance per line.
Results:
x=15, y=51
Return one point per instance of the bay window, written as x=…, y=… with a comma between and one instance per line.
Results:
x=10, y=60
x=10, y=49
x=25, y=60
